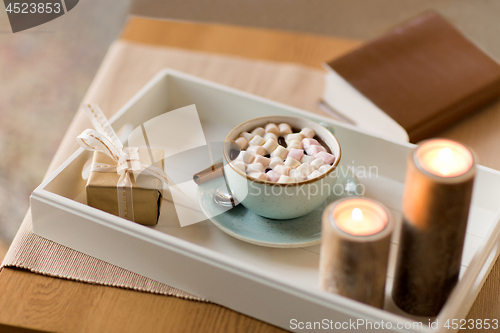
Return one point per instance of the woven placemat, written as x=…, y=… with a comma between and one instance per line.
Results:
x=126, y=68
x=42, y=256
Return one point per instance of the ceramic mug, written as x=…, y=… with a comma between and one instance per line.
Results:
x=277, y=200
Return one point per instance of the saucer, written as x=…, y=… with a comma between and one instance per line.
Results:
x=249, y=227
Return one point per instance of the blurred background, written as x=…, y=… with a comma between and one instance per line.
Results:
x=46, y=70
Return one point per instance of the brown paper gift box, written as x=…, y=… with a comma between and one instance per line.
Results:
x=102, y=190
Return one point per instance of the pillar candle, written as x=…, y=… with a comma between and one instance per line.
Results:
x=436, y=200
x=355, y=244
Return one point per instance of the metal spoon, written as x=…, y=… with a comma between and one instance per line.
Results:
x=222, y=196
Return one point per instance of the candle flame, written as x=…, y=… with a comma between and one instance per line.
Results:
x=446, y=156
x=357, y=214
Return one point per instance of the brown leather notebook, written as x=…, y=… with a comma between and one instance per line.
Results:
x=425, y=74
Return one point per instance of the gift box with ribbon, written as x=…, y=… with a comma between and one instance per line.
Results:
x=124, y=181
x=144, y=199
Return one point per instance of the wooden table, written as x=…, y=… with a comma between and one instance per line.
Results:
x=31, y=301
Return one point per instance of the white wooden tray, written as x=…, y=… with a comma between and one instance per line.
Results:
x=279, y=286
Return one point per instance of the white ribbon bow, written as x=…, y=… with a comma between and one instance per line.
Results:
x=105, y=140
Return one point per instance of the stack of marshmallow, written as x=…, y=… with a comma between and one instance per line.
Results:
x=262, y=157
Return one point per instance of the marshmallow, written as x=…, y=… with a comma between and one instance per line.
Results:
x=284, y=128
x=270, y=136
x=272, y=128
x=311, y=150
x=258, y=175
x=294, y=144
x=256, y=150
x=307, y=132
x=304, y=157
x=314, y=174
x=246, y=157
x=280, y=152
x=294, y=136
x=291, y=162
x=273, y=175
x=286, y=179
x=326, y=157
x=295, y=153
x=270, y=145
x=294, y=173
x=262, y=160
x=276, y=161
x=307, y=159
x=239, y=165
x=257, y=140
x=317, y=163
x=241, y=142
x=309, y=142
x=247, y=135
x=255, y=167
x=259, y=131
x=282, y=169
x=324, y=168
x=306, y=169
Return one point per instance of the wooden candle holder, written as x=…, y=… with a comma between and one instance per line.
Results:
x=355, y=266
x=435, y=213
